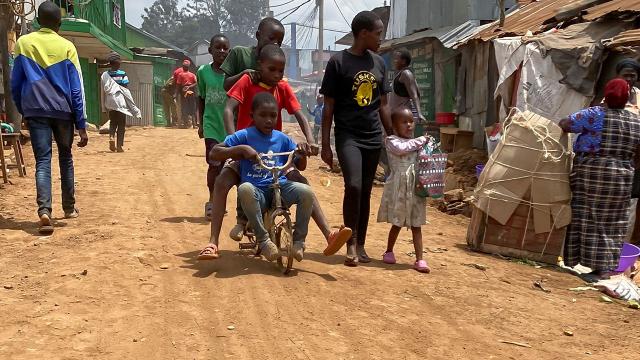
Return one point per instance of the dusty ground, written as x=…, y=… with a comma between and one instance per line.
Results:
x=95, y=290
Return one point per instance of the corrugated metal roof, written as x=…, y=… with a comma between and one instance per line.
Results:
x=438, y=33
x=612, y=6
x=625, y=39
x=532, y=17
x=449, y=36
x=459, y=33
x=528, y=18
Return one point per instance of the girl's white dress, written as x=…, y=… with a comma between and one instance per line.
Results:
x=400, y=206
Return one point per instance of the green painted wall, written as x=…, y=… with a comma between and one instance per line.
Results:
x=448, y=81
x=91, y=90
x=101, y=14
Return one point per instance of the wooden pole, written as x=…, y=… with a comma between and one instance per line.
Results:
x=6, y=24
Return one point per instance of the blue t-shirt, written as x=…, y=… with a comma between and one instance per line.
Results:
x=120, y=77
x=276, y=142
x=317, y=114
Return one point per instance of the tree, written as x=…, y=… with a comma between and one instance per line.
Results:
x=201, y=19
x=243, y=17
x=164, y=20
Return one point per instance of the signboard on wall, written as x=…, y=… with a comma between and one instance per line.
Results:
x=422, y=66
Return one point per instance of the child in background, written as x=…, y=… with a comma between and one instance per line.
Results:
x=400, y=207
x=317, y=116
x=117, y=100
x=212, y=99
x=243, y=60
x=255, y=192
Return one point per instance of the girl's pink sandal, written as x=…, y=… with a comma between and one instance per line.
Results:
x=422, y=267
x=389, y=258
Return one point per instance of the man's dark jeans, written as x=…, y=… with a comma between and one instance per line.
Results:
x=42, y=130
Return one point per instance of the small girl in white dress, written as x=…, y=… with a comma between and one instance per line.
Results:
x=400, y=207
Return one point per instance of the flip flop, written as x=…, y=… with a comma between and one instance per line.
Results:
x=337, y=239
x=351, y=262
x=209, y=253
x=422, y=267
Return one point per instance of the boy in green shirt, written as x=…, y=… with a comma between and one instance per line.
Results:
x=244, y=60
x=211, y=108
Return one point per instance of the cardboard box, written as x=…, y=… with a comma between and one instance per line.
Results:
x=517, y=238
x=454, y=139
x=532, y=162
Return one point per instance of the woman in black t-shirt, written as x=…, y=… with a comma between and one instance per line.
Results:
x=355, y=91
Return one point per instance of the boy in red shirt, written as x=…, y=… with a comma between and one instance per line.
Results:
x=271, y=64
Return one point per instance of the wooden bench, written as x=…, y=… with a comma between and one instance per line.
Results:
x=8, y=142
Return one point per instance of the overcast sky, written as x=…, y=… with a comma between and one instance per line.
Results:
x=333, y=19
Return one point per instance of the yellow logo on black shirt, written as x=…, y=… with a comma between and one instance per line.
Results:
x=363, y=85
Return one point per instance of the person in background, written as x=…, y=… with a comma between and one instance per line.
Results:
x=46, y=82
x=117, y=119
x=169, y=102
x=212, y=100
x=317, y=116
x=600, y=180
x=355, y=96
x=244, y=60
x=186, y=83
x=629, y=70
x=117, y=100
x=405, y=87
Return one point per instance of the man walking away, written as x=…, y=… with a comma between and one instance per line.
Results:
x=47, y=89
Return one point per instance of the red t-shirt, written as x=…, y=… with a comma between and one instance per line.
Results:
x=185, y=78
x=244, y=90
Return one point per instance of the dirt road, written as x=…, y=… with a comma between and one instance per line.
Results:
x=96, y=290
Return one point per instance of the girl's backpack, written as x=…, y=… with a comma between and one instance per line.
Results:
x=430, y=167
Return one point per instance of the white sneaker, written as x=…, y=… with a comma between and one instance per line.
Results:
x=237, y=232
x=269, y=250
x=298, y=251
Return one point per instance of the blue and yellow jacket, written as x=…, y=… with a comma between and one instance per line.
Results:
x=47, y=80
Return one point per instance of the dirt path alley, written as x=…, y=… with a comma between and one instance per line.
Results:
x=96, y=290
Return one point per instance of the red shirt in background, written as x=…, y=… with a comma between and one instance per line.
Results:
x=184, y=78
x=175, y=74
x=244, y=90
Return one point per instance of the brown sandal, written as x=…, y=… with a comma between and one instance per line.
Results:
x=209, y=253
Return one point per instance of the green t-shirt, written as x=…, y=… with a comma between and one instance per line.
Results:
x=240, y=58
x=210, y=85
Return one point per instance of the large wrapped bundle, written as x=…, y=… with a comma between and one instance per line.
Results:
x=522, y=204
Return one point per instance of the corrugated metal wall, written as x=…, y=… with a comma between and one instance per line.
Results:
x=143, y=98
x=141, y=86
x=435, y=14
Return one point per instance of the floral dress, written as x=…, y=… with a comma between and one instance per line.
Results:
x=400, y=206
